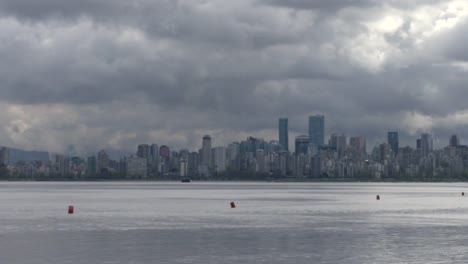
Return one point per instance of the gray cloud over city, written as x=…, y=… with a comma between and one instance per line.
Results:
x=112, y=74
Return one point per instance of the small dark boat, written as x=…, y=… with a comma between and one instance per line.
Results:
x=185, y=179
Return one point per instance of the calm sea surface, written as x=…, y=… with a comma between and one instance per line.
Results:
x=193, y=223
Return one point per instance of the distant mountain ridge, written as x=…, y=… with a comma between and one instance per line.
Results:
x=27, y=155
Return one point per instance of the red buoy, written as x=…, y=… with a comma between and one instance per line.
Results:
x=233, y=205
x=377, y=197
x=71, y=209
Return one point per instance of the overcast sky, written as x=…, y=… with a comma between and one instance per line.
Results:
x=115, y=73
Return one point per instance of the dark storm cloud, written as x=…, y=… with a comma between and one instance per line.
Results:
x=117, y=73
x=98, y=9
x=46, y=8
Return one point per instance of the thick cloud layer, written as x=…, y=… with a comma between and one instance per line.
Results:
x=112, y=74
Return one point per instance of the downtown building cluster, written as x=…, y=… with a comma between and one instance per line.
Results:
x=313, y=157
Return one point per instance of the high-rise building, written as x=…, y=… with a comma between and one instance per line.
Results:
x=206, y=151
x=91, y=165
x=183, y=153
x=137, y=167
x=63, y=165
x=193, y=162
x=260, y=158
x=302, y=145
x=164, y=152
x=283, y=160
x=315, y=166
x=283, y=133
x=274, y=146
x=333, y=141
x=143, y=151
x=219, y=159
x=392, y=140
x=103, y=160
x=317, y=130
x=426, y=143
x=154, y=158
x=338, y=142
x=341, y=145
x=183, y=167
x=358, y=148
x=454, y=141
x=154, y=152
x=233, y=156
x=384, y=152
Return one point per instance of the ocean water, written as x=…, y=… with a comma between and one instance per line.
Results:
x=193, y=223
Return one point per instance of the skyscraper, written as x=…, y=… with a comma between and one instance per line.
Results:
x=91, y=165
x=206, y=151
x=358, y=148
x=233, y=156
x=154, y=158
x=426, y=143
x=154, y=152
x=341, y=146
x=219, y=159
x=164, y=153
x=283, y=133
x=392, y=140
x=103, y=160
x=338, y=142
x=136, y=167
x=193, y=162
x=317, y=130
x=454, y=141
x=302, y=145
x=143, y=151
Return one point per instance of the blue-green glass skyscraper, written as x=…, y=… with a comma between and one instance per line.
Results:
x=317, y=130
x=283, y=133
x=392, y=139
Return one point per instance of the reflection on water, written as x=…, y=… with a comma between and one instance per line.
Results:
x=193, y=223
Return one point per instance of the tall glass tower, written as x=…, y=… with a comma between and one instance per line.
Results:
x=283, y=133
x=392, y=140
x=206, y=151
x=426, y=143
x=317, y=130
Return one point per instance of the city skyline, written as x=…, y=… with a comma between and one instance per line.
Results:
x=410, y=141
x=255, y=158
